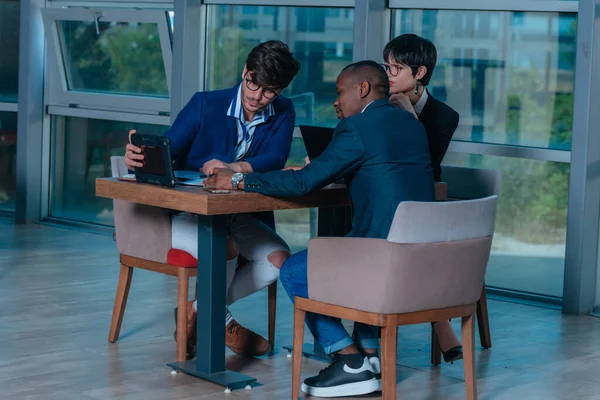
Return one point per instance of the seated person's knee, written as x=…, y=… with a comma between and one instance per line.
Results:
x=232, y=249
x=277, y=258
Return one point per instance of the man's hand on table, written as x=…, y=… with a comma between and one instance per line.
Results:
x=298, y=167
x=221, y=179
x=211, y=166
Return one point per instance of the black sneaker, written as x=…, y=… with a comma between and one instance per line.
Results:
x=376, y=365
x=339, y=380
x=373, y=358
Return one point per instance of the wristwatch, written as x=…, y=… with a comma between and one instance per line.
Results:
x=236, y=179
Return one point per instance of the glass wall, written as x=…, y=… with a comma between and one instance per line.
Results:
x=8, y=160
x=9, y=50
x=510, y=75
x=528, y=251
x=320, y=38
x=81, y=152
x=296, y=227
x=9, y=81
x=117, y=58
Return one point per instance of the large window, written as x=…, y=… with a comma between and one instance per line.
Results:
x=117, y=58
x=320, y=38
x=510, y=75
x=528, y=251
x=107, y=66
x=8, y=157
x=9, y=82
x=9, y=50
x=81, y=152
x=296, y=227
x=109, y=59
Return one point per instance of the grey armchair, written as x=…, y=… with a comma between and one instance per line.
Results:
x=431, y=267
x=143, y=236
x=467, y=184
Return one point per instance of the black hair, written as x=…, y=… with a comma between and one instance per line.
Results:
x=371, y=72
x=414, y=51
x=272, y=65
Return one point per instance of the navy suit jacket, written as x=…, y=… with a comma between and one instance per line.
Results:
x=383, y=156
x=203, y=131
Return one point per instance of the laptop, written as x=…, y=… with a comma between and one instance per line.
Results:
x=316, y=139
x=158, y=167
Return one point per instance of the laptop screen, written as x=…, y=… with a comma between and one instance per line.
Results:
x=316, y=139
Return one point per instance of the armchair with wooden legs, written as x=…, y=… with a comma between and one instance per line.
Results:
x=152, y=251
x=430, y=268
x=467, y=184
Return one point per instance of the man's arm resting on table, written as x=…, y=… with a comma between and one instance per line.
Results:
x=342, y=156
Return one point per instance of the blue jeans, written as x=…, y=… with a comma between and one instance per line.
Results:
x=328, y=331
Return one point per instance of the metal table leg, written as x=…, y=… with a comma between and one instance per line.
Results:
x=210, y=340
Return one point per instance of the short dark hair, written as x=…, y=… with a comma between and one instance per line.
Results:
x=413, y=50
x=371, y=72
x=272, y=65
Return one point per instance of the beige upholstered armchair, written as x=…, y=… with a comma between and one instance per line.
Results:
x=431, y=267
x=143, y=236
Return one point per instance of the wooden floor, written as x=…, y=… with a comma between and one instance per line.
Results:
x=56, y=294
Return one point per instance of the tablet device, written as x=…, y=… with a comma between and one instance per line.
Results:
x=316, y=139
x=157, y=168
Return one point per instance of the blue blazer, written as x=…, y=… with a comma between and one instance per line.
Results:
x=383, y=156
x=203, y=131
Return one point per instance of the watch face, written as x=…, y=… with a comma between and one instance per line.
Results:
x=237, y=176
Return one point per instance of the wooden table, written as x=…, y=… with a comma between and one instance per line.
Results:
x=212, y=234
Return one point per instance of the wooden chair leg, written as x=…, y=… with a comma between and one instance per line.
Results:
x=272, y=312
x=436, y=350
x=468, y=342
x=299, y=316
x=120, y=302
x=483, y=321
x=389, y=341
x=182, y=300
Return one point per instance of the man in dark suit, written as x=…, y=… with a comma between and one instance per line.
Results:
x=247, y=128
x=409, y=62
x=382, y=154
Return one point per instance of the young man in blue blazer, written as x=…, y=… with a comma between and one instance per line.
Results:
x=246, y=129
x=383, y=155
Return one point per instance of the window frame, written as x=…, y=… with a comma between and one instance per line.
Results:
x=9, y=107
x=477, y=5
x=284, y=3
x=59, y=93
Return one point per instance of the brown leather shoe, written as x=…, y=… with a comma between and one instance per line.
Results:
x=191, y=330
x=245, y=342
